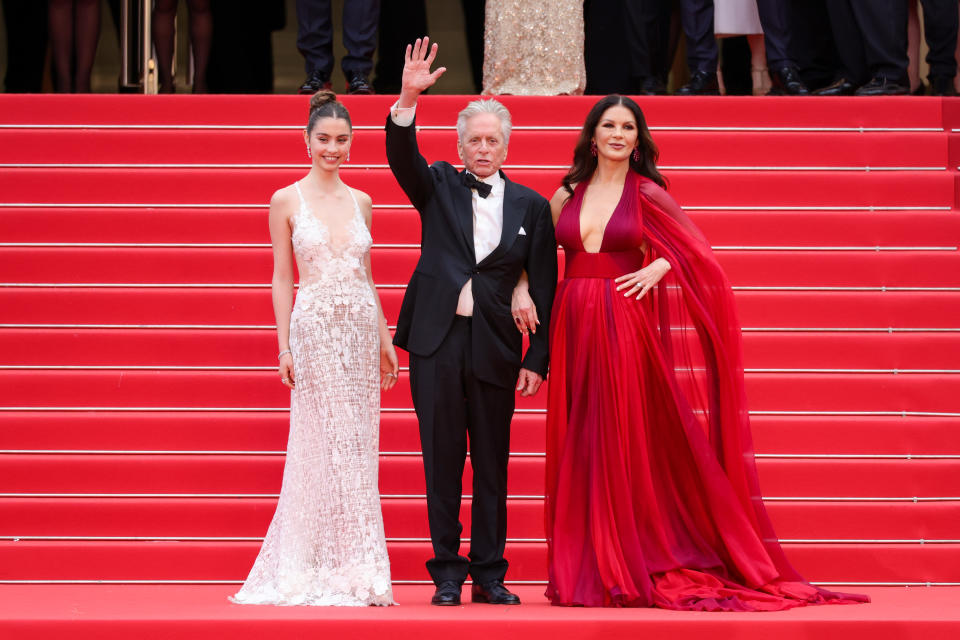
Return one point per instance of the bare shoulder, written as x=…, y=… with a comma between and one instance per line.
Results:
x=560, y=197
x=283, y=202
x=365, y=202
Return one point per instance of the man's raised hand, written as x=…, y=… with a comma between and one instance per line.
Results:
x=417, y=76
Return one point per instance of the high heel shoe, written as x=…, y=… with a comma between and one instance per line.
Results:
x=761, y=80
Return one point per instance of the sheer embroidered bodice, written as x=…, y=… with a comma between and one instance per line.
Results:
x=326, y=545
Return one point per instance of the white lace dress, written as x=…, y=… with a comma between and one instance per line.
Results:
x=325, y=545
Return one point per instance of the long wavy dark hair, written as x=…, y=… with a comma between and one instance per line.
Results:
x=585, y=163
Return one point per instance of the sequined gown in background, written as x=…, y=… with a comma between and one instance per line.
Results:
x=325, y=545
x=534, y=48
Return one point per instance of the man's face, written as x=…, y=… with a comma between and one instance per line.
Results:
x=482, y=147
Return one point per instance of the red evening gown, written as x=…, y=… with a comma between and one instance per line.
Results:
x=652, y=490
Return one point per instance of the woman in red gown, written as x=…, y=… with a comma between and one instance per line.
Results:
x=652, y=491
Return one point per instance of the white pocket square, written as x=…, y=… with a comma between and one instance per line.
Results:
x=522, y=232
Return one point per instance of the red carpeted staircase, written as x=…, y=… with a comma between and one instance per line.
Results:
x=142, y=427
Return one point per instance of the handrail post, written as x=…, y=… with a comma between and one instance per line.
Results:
x=149, y=62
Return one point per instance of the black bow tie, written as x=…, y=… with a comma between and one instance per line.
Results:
x=483, y=189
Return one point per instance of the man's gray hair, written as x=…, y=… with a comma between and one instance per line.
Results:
x=485, y=106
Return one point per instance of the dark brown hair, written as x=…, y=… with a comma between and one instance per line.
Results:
x=324, y=104
x=585, y=163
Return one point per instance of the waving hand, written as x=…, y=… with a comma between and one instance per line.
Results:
x=417, y=76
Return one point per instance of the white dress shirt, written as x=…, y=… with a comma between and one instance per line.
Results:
x=487, y=215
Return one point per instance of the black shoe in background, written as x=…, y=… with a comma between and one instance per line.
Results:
x=357, y=84
x=447, y=594
x=786, y=82
x=702, y=83
x=315, y=82
x=880, y=86
x=841, y=87
x=652, y=86
x=942, y=86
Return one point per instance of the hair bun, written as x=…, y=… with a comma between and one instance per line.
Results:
x=322, y=97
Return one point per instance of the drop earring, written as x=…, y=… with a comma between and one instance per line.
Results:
x=593, y=148
x=636, y=154
x=309, y=155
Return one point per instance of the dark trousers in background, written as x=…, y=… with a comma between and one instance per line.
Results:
x=401, y=23
x=813, y=45
x=452, y=404
x=649, y=45
x=871, y=39
x=241, y=52
x=315, y=35
x=696, y=16
x=775, y=18
x=26, y=22
x=474, y=21
x=941, y=20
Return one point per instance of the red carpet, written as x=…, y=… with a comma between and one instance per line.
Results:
x=108, y=612
x=142, y=430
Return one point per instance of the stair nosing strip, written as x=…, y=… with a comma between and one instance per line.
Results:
x=796, y=541
x=383, y=496
x=409, y=410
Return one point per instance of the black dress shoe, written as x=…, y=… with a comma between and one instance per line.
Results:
x=702, y=83
x=314, y=82
x=786, y=82
x=492, y=593
x=841, y=87
x=880, y=86
x=447, y=594
x=942, y=86
x=357, y=84
x=652, y=86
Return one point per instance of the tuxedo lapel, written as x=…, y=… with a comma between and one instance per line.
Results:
x=514, y=206
x=463, y=210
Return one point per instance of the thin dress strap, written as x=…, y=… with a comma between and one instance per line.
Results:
x=300, y=194
x=356, y=204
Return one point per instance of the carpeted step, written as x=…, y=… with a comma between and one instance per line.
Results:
x=689, y=188
x=267, y=431
x=403, y=475
x=395, y=266
x=244, y=306
x=232, y=561
x=222, y=224
x=706, y=149
x=659, y=111
x=259, y=389
x=406, y=518
x=79, y=347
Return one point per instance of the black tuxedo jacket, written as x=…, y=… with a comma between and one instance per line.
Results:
x=447, y=261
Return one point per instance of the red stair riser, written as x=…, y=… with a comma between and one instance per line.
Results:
x=232, y=561
x=402, y=225
x=395, y=266
x=261, y=389
x=659, y=111
x=267, y=431
x=244, y=306
x=406, y=518
x=542, y=147
x=403, y=475
x=689, y=188
x=258, y=347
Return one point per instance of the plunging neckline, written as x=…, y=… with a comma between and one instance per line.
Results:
x=603, y=233
x=346, y=231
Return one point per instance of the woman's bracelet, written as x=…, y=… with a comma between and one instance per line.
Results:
x=283, y=353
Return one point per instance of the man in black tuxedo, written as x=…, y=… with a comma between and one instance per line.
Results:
x=479, y=231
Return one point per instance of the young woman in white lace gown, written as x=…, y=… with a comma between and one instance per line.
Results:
x=325, y=545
